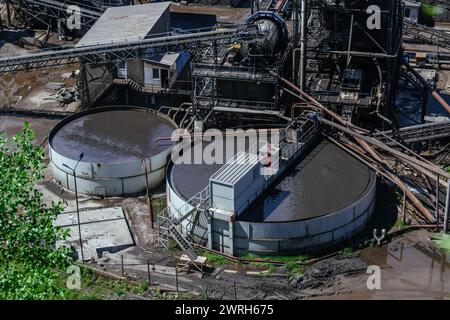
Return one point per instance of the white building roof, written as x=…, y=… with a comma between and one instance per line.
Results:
x=411, y=3
x=168, y=59
x=127, y=22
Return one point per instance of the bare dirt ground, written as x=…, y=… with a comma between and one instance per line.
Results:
x=411, y=267
x=29, y=92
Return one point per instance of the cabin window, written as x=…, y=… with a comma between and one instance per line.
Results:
x=156, y=75
x=407, y=12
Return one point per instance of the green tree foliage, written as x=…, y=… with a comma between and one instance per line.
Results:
x=28, y=253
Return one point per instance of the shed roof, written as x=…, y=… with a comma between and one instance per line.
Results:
x=168, y=59
x=127, y=22
x=411, y=3
x=235, y=168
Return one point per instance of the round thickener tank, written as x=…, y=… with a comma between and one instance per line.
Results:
x=326, y=197
x=119, y=154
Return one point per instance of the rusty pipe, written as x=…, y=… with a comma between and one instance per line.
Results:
x=433, y=91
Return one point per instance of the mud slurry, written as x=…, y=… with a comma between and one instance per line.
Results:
x=411, y=267
x=113, y=136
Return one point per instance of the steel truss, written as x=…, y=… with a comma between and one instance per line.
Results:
x=44, y=11
x=425, y=34
x=122, y=50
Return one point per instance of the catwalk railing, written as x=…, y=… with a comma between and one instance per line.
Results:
x=427, y=34
x=422, y=132
x=121, y=50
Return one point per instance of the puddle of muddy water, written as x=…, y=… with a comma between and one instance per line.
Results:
x=411, y=268
x=13, y=124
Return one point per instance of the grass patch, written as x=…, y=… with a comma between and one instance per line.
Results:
x=294, y=269
x=442, y=241
x=96, y=287
x=285, y=259
x=347, y=251
x=400, y=224
x=158, y=205
x=215, y=259
x=291, y=263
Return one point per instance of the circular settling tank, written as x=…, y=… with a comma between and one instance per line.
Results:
x=118, y=147
x=325, y=198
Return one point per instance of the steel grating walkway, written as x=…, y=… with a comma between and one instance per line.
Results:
x=426, y=34
x=122, y=50
x=421, y=132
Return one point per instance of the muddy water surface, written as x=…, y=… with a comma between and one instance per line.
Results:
x=113, y=136
x=411, y=268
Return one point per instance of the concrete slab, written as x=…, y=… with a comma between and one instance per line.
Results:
x=102, y=229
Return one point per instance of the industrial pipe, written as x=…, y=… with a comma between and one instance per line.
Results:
x=364, y=144
x=373, y=141
x=362, y=141
x=303, y=45
x=433, y=91
x=447, y=205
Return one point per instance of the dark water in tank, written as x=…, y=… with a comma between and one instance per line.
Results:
x=327, y=180
x=112, y=136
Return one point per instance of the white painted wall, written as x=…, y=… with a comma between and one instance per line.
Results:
x=148, y=75
x=413, y=13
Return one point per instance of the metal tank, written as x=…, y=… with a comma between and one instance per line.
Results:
x=120, y=155
x=327, y=198
x=273, y=29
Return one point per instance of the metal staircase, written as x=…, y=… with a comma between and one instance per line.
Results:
x=182, y=242
x=170, y=227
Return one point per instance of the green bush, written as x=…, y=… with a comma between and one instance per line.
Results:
x=27, y=235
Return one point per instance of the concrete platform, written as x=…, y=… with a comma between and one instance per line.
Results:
x=102, y=229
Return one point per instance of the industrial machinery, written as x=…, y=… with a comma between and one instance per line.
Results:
x=336, y=58
x=349, y=55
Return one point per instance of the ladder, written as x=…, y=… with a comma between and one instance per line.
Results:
x=182, y=242
x=168, y=227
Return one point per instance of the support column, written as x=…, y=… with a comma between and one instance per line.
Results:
x=447, y=205
x=84, y=88
x=231, y=235
x=210, y=239
x=8, y=14
x=303, y=45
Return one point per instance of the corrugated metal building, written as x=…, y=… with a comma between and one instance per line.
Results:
x=120, y=24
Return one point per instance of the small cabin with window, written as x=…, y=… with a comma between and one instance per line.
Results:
x=154, y=72
x=412, y=10
x=163, y=70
